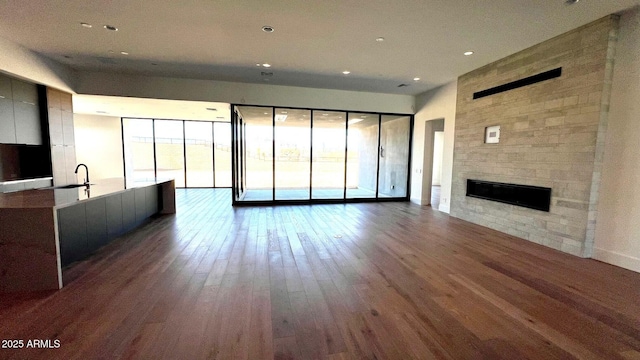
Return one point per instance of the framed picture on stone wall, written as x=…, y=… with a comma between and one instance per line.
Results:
x=492, y=134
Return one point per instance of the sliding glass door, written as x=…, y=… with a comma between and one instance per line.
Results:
x=328, y=153
x=199, y=153
x=362, y=155
x=395, y=135
x=294, y=155
x=194, y=153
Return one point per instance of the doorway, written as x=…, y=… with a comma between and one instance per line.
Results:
x=436, y=173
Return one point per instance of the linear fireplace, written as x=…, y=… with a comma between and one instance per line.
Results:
x=533, y=197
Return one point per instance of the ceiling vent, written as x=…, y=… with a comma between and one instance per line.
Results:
x=266, y=73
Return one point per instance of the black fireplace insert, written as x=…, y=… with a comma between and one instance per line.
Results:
x=533, y=197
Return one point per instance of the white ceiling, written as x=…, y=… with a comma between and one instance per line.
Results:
x=313, y=41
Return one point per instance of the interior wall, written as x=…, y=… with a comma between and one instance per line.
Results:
x=549, y=137
x=241, y=93
x=617, y=232
x=28, y=65
x=436, y=104
x=99, y=145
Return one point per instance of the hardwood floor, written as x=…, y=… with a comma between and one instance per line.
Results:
x=375, y=280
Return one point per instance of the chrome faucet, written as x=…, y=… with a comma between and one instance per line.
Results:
x=86, y=181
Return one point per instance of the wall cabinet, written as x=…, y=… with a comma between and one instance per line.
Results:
x=7, y=122
x=61, y=137
x=19, y=112
x=27, y=119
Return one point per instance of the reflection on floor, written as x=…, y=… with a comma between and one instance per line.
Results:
x=435, y=197
x=303, y=194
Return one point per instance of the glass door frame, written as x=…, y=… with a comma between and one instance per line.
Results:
x=239, y=187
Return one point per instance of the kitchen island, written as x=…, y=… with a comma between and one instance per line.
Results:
x=43, y=231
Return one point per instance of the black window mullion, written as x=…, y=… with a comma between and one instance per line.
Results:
x=378, y=155
x=346, y=155
x=311, y=156
x=184, y=152
x=155, y=156
x=273, y=154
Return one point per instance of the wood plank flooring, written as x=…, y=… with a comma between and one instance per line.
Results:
x=355, y=281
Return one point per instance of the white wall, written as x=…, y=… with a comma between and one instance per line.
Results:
x=439, y=103
x=28, y=65
x=438, y=152
x=99, y=145
x=617, y=238
x=241, y=93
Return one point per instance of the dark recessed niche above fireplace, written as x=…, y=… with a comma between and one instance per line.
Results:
x=533, y=197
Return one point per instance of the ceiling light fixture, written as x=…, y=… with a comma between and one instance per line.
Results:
x=124, y=53
x=416, y=79
x=571, y=2
x=354, y=121
x=346, y=72
x=258, y=64
x=467, y=53
x=266, y=65
x=380, y=39
x=268, y=29
x=86, y=25
x=111, y=27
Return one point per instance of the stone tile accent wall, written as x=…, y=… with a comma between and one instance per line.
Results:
x=552, y=135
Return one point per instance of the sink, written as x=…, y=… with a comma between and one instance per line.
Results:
x=70, y=186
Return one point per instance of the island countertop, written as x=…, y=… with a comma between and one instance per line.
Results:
x=57, y=198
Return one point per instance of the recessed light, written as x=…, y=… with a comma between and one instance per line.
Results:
x=124, y=53
x=571, y=2
x=416, y=79
x=266, y=113
x=86, y=25
x=380, y=39
x=111, y=27
x=268, y=29
x=284, y=112
x=266, y=65
x=467, y=53
x=346, y=72
x=325, y=114
x=258, y=64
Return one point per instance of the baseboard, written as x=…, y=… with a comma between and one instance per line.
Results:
x=617, y=259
